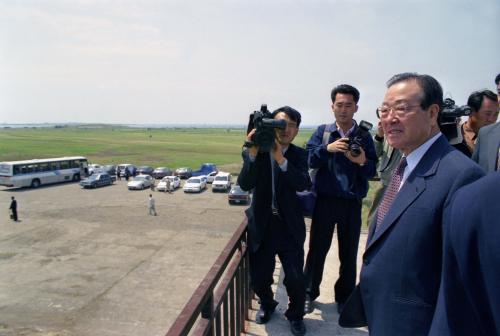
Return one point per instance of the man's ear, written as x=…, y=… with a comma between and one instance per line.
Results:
x=434, y=113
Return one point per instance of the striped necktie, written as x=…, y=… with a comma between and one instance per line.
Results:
x=391, y=192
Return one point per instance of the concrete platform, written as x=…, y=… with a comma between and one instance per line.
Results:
x=324, y=319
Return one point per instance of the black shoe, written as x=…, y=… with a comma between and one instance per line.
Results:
x=340, y=307
x=263, y=315
x=298, y=328
x=308, y=305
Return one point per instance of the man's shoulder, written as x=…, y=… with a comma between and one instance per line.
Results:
x=490, y=129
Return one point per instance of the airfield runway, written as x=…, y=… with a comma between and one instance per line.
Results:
x=93, y=262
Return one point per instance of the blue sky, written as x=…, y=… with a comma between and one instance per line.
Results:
x=212, y=62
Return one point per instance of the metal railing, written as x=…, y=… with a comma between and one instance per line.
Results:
x=220, y=304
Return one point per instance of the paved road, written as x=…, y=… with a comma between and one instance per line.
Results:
x=93, y=262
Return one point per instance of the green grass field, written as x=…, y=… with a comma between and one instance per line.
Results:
x=173, y=147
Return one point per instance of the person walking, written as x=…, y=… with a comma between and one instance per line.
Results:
x=167, y=186
x=13, y=209
x=151, y=205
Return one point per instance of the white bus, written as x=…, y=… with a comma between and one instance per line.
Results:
x=33, y=173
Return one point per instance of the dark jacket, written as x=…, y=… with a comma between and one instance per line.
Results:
x=13, y=205
x=337, y=175
x=401, y=269
x=469, y=296
x=257, y=176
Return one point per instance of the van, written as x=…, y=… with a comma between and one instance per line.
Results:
x=222, y=182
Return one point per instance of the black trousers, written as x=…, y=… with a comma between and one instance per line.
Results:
x=14, y=214
x=279, y=241
x=346, y=213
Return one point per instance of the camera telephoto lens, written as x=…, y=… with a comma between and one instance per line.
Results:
x=355, y=150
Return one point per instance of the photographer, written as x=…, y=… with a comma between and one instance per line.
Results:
x=341, y=184
x=275, y=222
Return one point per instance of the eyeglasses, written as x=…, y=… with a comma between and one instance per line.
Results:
x=401, y=110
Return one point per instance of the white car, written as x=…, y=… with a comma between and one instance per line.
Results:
x=222, y=182
x=94, y=168
x=175, y=182
x=195, y=184
x=211, y=177
x=140, y=182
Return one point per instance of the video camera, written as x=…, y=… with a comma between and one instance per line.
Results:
x=448, y=118
x=356, y=141
x=264, y=126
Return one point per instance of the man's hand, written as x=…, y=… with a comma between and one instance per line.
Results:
x=254, y=150
x=360, y=159
x=277, y=153
x=338, y=146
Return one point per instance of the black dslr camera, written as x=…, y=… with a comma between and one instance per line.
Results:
x=448, y=117
x=356, y=141
x=264, y=126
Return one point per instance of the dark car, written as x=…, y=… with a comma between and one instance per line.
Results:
x=238, y=195
x=98, y=180
x=184, y=172
x=161, y=172
x=205, y=169
x=145, y=170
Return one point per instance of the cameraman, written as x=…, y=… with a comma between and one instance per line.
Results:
x=275, y=222
x=341, y=184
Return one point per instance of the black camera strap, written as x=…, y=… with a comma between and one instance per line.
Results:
x=274, y=202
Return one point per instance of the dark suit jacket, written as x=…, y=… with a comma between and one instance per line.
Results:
x=401, y=270
x=486, y=150
x=257, y=176
x=469, y=297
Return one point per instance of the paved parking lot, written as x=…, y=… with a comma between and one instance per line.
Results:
x=93, y=262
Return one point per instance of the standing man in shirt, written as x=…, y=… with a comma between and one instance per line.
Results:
x=484, y=111
x=341, y=184
x=151, y=205
x=401, y=270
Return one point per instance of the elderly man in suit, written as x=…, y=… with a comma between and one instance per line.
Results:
x=275, y=222
x=487, y=151
x=469, y=296
x=401, y=270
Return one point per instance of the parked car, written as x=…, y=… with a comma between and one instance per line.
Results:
x=175, y=182
x=98, y=180
x=184, y=172
x=211, y=176
x=161, y=172
x=205, y=169
x=238, y=195
x=222, y=182
x=140, y=182
x=132, y=170
x=195, y=184
x=94, y=168
x=145, y=170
